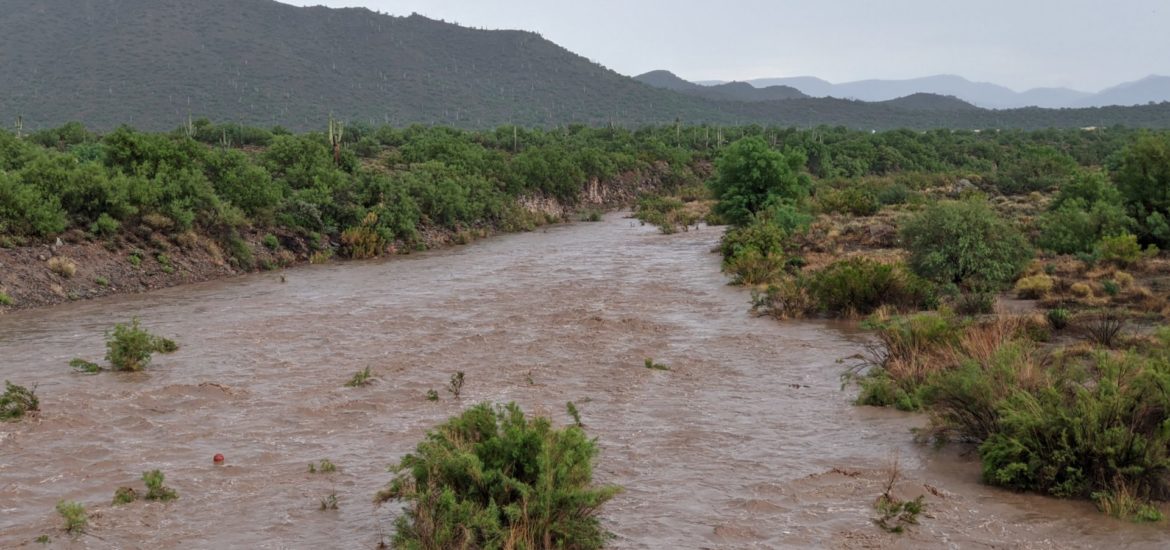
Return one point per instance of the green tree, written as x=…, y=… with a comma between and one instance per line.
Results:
x=1144, y=180
x=751, y=175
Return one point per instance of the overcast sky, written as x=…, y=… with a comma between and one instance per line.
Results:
x=1083, y=44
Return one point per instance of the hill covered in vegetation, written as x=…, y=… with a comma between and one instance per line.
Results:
x=154, y=64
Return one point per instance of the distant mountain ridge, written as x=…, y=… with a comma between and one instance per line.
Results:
x=728, y=91
x=153, y=64
x=1153, y=88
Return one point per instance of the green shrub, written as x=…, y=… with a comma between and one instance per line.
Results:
x=155, y=490
x=87, y=367
x=965, y=243
x=5, y=299
x=129, y=347
x=104, y=226
x=852, y=200
x=240, y=253
x=1122, y=250
x=1035, y=168
x=879, y=390
x=490, y=478
x=125, y=495
x=27, y=210
x=74, y=515
x=895, y=194
x=165, y=261
x=785, y=298
x=1075, y=437
x=1058, y=318
x=965, y=399
x=1076, y=226
x=271, y=242
x=361, y=378
x=571, y=408
x=325, y=466
x=754, y=254
x=975, y=303
x=1120, y=502
x=17, y=401
x=858, y=286
x=650, y=364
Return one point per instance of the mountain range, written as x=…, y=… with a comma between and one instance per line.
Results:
x=155, y=64
x=983, y=94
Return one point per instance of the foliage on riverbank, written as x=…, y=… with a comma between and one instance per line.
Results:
x=1068, y=403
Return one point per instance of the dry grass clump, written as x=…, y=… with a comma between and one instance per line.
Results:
x=62, y=266
x=1034, y=287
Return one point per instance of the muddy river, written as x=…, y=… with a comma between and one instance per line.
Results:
x=748, y=442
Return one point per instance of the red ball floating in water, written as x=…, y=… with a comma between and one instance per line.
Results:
x=218, y=458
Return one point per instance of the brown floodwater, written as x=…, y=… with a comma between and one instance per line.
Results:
x=748, y=442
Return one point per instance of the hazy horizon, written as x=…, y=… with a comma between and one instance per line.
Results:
x=1081, y=44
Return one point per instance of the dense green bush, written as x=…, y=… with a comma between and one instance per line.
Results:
x=1122, y=249
x=1035, y=168
x=754, y=253
x=965, y=243
x=1076, y=226
x=490, y=478
x=854, y=200
x=1073, y=438
x=858, y=286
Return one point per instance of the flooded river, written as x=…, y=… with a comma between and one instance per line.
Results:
x=748, y=442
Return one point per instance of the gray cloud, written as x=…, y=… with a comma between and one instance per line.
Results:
x=1084, y=44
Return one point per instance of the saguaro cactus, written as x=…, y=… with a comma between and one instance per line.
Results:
x=336, y=131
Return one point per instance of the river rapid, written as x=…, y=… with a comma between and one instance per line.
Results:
x=749, y=441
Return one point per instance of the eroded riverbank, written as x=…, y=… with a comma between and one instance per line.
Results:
x=748, y=442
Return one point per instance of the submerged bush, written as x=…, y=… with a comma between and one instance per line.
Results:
x=17, y=401
x=787, y=298
x=129, y=347
x=155, y=490
x=490, y=478
x=74, y=515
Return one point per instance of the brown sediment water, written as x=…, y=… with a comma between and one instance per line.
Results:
x=748, y=441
